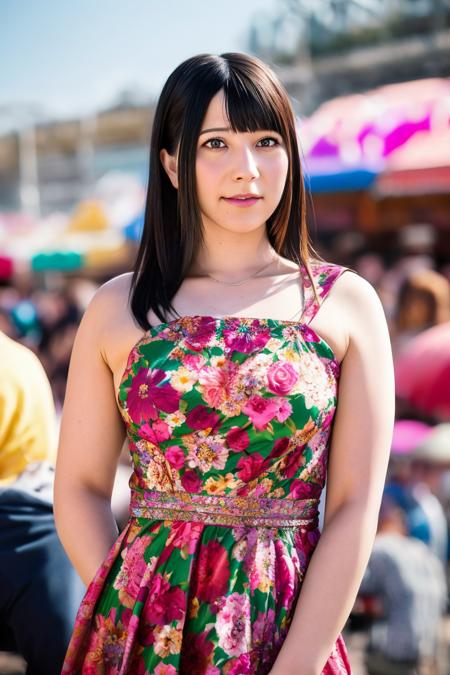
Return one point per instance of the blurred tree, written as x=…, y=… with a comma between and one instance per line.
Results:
x=299, y=29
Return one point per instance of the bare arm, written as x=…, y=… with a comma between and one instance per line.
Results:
x=359, y=454
x=91, y=437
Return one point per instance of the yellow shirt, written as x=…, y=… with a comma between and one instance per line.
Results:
x=27, y=411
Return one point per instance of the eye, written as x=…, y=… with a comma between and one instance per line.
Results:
x=269, y=138
x=213, y=140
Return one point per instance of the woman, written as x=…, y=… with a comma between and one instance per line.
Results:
x=207, y=358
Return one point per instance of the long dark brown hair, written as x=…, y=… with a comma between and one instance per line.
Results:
x=255, y=99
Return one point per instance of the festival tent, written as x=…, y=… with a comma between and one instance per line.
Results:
x=421, y=166
x=346, y=143
x=92, y=238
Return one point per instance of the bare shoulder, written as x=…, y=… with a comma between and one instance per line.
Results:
x=110, y=303
x=364, y=312
x=360, y=299
x=109, y=320
x=350, y=310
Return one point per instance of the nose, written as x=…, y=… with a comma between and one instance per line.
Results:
x=246, y=167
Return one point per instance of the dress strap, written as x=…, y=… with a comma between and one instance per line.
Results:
x=325, y=275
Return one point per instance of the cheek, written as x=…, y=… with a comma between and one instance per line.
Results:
x=278, y=170
x=206, y=174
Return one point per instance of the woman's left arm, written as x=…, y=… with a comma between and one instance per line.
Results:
x=359, y=454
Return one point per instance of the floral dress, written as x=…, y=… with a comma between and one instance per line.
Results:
x=228, y=422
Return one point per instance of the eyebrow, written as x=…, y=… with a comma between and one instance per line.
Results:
x=206, y=131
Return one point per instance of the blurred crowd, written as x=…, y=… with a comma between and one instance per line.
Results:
x=404, y=595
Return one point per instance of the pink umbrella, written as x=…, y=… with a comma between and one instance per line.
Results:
x=422, y=371
x=408, y=434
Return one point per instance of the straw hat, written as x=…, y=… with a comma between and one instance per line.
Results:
x=435, y=448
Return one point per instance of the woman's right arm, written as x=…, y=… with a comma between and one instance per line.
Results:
x=91, y=437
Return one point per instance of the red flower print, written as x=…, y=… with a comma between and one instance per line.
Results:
x=164, y=604
x=213, y=571
x=156, y=432
x=241, y=666
x=237, y=439
x=285, y=575
x=279, y=447
x=261, y=411
x=191, y=481
x=281, y=377
x=293, y=461
x=301, y=489
x=250, y=467
x=146, y=398
x=308, y=334
x=201, y=418
x=196, y=653
x=246, y=337
x=198, y=331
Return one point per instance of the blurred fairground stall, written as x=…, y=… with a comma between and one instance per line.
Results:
x=374, y=163
x=379, y=161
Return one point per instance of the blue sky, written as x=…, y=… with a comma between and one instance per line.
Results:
x=71, y=57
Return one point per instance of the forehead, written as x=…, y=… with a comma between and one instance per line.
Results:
x=240, y=111
x=216, y=113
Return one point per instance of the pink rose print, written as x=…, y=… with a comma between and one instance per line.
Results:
x=175, y=456
x=281, y=377
x=146, y=397
x=238, y=439
x=191, y=481
x=201, y=418
x=260, y=411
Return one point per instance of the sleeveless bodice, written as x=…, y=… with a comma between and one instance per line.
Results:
x=228, y=422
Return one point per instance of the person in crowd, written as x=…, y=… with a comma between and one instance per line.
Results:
x=39, y=589
x=423, y=301
x=409, y=583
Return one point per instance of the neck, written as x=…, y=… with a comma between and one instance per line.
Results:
x=232, y=255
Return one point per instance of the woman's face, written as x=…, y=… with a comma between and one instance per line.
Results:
x=230, y=163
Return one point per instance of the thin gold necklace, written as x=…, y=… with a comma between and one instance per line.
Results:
x=238, y=283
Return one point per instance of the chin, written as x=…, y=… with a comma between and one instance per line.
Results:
x=241, y=225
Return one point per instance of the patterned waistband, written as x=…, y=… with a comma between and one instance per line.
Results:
x=228, y=510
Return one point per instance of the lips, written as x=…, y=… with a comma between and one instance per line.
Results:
x=247, y=195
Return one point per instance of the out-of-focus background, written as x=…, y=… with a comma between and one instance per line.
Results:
x=369, y=81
